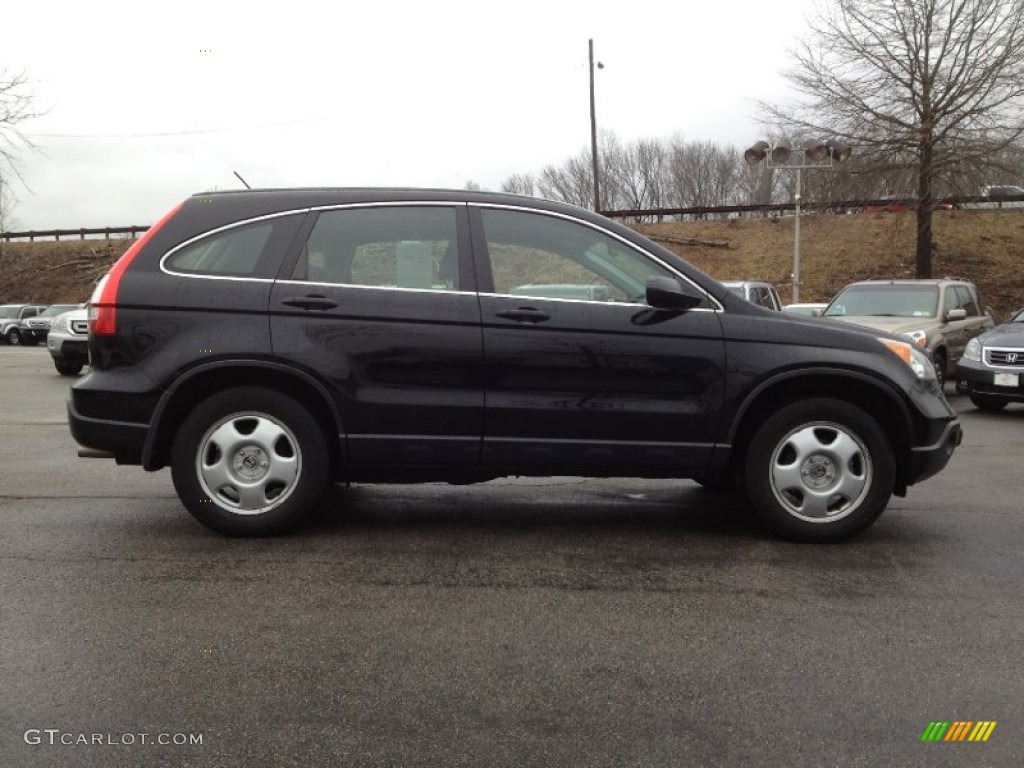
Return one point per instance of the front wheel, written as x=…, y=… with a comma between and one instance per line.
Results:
x=68, y=369
x=819, y=470
x=940, y=368
x=250, y=461
x=12, y=337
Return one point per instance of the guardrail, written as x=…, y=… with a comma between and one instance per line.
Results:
x=777, y=209
x=57, y=234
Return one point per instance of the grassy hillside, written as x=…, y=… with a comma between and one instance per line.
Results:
x=984, y=246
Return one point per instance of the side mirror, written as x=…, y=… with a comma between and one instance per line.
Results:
x=668, y=293
x=956, y=314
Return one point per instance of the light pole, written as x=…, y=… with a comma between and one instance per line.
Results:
x=593, y=130
x=816, y=154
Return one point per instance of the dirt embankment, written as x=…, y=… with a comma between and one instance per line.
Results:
x=986, y=247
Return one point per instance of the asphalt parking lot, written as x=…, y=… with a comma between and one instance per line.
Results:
x=560, y=622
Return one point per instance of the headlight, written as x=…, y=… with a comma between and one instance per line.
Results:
x=58, y=324
x=920, y=338
x=973, y=351
x=918, y=361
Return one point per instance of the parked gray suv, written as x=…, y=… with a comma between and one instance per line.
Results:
x=939, y=316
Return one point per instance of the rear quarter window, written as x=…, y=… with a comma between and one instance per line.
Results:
x=248, y=250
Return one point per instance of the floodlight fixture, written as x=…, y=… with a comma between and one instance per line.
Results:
x=840, y=152
x=816, y=150
x=781, y=151
x=756, y=153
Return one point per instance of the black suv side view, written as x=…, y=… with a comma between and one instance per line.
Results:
x=265, y=344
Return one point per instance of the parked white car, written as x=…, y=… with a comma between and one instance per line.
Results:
x=996, y=196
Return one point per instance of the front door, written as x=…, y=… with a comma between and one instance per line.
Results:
x=581, y=373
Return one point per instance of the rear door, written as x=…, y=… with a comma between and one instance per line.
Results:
x=381, y=305
x=601, y=383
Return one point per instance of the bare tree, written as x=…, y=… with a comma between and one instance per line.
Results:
x=633, y=173
x=520, y=184
x=926, y=85
x=15, y=108
x=703, y=174
x=572, y=182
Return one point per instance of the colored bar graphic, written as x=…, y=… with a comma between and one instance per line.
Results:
x=982, y=730
x=958, y=730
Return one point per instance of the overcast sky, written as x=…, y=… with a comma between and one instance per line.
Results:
x=146, y=104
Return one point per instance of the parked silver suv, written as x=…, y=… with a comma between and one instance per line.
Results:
x=940, y=316
x=68, y=341
x=756, y=292
x=11, y=318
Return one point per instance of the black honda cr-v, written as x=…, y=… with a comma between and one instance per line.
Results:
x=265, y=344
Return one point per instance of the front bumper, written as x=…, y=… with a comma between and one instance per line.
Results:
x=927, y=460
x=68, y=350
x=977, y=378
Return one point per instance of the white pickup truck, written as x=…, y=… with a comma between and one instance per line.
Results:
x=998, y=196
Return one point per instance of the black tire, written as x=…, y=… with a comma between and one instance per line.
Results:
x=68, y=369
x=990, y=403
x=268, y=433
x=819, y=470
x=939, y=361
x=12, y=337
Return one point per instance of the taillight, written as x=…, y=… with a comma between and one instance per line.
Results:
x=103, y=303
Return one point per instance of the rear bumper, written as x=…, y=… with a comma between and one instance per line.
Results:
x=124, y=439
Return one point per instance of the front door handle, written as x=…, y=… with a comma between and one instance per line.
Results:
x=524, y=315
x=313, y=301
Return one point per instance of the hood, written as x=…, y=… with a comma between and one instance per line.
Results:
x=894, y=325
x=1007, y=333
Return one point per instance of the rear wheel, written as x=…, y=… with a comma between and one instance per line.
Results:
x=250, y=461
x=988, y=402
x=819, y=470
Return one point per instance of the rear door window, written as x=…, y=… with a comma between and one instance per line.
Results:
x=385, y=247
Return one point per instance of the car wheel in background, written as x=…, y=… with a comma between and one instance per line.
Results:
x=988, y=402
x=250, y=461
x=69, y=369
x=12, y=337
x=940, y=368
x=819, y=470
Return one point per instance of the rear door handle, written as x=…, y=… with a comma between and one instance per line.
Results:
x=524, y=315
x=313, y=301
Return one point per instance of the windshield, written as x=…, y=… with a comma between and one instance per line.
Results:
x=888, y=300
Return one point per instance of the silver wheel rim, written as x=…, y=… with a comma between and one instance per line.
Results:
x=820, y=472
x=248, y=463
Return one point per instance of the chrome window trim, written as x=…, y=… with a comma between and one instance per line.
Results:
x=376, y=287
x=216, y=231
x=716, y=305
